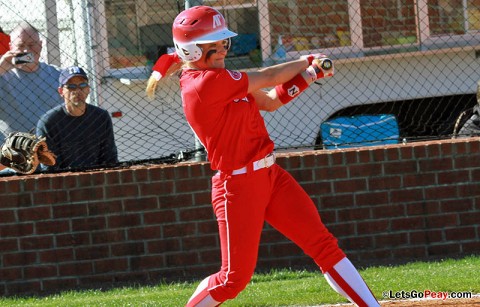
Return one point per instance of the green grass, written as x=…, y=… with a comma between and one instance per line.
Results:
x=282, y=287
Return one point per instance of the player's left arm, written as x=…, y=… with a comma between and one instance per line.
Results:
x=273, y=75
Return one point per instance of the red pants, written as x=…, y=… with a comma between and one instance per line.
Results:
x=242, y=203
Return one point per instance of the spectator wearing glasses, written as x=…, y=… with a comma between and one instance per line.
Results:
x=80, y=134
x=28, y=87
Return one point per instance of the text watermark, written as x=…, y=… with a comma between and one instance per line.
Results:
x=427, y=294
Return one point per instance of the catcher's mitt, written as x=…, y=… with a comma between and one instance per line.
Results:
x=24, y=151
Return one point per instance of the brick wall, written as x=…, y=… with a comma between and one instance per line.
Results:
x=147, y=223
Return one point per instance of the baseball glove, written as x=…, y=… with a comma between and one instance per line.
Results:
x=24, y=151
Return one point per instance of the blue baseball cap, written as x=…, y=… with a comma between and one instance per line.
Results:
x=70, y=72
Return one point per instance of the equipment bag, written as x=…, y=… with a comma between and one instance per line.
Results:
x=359, y=130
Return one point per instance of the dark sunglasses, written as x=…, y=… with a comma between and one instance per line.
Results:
x=75, y=86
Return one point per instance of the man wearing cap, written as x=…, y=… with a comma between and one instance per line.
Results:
x=80, y=134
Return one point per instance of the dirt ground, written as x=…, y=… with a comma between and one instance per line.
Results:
x=475, y=301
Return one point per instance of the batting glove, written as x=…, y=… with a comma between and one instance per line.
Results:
x=320, y=68
x=313, y=56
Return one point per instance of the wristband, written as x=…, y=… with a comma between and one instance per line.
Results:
x=157, y=75
x=287, y=91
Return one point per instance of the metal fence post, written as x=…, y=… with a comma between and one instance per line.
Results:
x=190, y=3
x=199, y=155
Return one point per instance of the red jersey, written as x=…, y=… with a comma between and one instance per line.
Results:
x=4, y=43
x=225, y=118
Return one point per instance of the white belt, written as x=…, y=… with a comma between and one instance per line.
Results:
x=266, y=162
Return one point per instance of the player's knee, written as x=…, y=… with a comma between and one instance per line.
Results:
x=231, y=286
x=232, y=289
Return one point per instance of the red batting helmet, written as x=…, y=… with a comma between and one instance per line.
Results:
x=198, y=25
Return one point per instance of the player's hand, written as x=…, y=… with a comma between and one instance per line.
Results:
x=313, y=56
x=323, y=68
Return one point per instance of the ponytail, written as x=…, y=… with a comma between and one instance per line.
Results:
x=166, y=65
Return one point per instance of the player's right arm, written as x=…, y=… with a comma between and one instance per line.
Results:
x=274, y=75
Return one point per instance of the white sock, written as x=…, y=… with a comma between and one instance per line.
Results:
x=201, y=297
x=346, y=280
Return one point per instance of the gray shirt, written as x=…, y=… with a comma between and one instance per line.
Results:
x=26, y=96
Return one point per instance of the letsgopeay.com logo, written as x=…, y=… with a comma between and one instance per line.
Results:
x=425, y=294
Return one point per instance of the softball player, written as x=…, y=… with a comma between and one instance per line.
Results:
x=222, y=107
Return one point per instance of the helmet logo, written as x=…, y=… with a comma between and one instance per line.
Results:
x=217, y=21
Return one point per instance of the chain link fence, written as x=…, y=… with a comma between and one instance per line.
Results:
x=405, y=70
